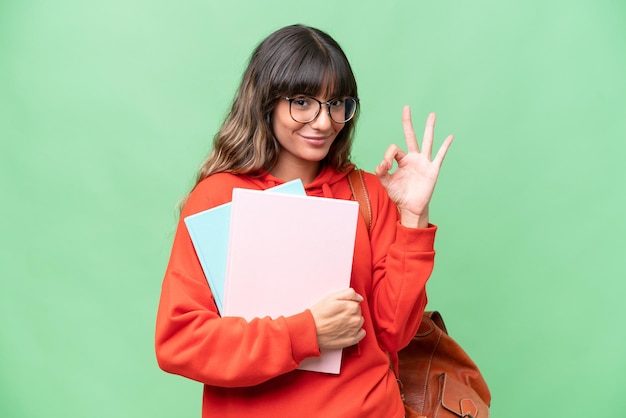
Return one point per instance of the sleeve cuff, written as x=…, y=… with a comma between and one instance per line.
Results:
x=303, y=336
x=416, y=239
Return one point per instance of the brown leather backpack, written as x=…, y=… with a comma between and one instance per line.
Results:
x=437, y=378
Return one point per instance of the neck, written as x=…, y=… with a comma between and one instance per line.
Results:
x=306, y=171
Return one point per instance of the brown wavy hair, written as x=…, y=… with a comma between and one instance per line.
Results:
x=295, y=59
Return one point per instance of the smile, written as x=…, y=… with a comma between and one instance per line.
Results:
x=315, y=140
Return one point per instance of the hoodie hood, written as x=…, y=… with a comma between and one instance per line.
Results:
x=322, y=186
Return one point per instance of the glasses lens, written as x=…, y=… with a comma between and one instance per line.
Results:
x=342, y=109
x=304, y=109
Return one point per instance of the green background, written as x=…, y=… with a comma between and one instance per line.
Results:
x=107, y=109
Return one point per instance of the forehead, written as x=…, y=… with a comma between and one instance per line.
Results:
x=313, y=75
x=321, y=86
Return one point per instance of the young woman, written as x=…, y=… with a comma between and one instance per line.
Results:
x=293, y=117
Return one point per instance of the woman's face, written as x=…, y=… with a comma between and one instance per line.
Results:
x=303, y=143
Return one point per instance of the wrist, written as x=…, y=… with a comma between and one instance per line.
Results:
x=409, y=219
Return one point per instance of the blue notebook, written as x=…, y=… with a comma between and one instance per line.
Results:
x=210, y=230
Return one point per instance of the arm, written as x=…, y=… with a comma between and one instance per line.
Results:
x=192, y=340
x=402, y=261
x=403, y=264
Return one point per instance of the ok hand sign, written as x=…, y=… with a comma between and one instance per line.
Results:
x=411, y=186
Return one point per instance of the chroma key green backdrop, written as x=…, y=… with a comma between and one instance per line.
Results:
x=107, y=109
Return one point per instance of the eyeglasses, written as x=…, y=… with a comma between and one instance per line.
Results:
x=303, y=109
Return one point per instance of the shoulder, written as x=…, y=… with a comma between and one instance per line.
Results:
x=371, y=180
x=380, y=204
x=374, y=188
x=219, y=184
x=213, y=191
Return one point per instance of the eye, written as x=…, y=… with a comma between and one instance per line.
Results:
x=302, y=102
x=336, y=103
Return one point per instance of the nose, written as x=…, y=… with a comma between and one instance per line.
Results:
x=322, y=121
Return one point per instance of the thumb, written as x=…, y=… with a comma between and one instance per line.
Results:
x=349, y=294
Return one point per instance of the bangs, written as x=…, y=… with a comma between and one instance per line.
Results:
x=315, y=72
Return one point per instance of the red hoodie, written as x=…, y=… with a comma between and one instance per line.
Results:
x=249, y=368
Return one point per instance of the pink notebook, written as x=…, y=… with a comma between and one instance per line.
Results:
x=285, y=253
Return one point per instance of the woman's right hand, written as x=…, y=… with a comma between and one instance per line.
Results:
x=338, y=319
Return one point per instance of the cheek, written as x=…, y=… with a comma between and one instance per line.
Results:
x=282, y=121
x=338, y=127
x=282, y=128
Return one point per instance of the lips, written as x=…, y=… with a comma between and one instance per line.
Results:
x=315, y=140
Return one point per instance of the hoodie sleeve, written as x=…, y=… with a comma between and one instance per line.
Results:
x=191, y=338
x=402, y=261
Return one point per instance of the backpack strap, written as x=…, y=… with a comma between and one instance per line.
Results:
x=359, y=192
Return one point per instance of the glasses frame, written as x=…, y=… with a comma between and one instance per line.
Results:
x=320, y=103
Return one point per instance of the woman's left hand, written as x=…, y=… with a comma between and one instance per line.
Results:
x=412, y=184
